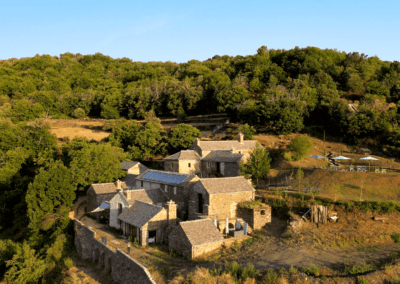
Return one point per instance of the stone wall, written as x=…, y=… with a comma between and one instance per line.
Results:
x=200, y=250
x=226, y=204
x=123, y=268
x=177, y=241
x=94, y=200
x=230, y=169
x=114, y=202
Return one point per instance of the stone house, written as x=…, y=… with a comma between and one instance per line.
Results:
x=125, y=198
x=256, y=216
x=221, y=163
x=240, y=146
x=185, y=161
x=176, y=187
x=101, y=192
x=148, y=222
x=133, y=167
x=195, y=238
x=217, y=198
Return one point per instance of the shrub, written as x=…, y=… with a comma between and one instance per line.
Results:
x=271, y=277
x=301, y=146
x=293, y=270
x=395, y=237
x=358, y=268
x=362, y=280
x=78, y=113
x=240, y=273
x=68, y=263
x=287, y=156
x=247, y=131
x=311, y=270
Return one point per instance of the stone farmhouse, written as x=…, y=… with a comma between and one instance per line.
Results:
x=209, y=159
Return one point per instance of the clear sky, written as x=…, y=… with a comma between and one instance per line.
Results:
x=179, y=31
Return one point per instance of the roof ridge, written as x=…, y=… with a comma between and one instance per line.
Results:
x=137, y=200
x=198, y=220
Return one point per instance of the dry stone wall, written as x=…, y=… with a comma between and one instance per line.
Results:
x=123, y=268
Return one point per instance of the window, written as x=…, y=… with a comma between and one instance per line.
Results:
x=171, y=166
x=208, y=165
x=175, y=190
x=189, y=165
x=141, y=183
x=262, y=212
x=200, y=202
x=166, y=188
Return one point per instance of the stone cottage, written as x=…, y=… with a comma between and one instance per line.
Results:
x=176, y=187
x=147, y=222
x=125, y=198
x=133, y=167
x=217, y=198
x=185, y=161
x=101, y=192
x=195, y=238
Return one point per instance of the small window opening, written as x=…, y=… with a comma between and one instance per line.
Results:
x=175, y=190
x=189, y=165
x=262, y=212
x=141, y=183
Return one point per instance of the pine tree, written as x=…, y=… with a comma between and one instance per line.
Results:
x=258, y=165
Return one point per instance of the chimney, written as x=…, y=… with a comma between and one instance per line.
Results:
x=171, y=211
x=241, y=138
x=232, y=149
x=128, y=194
x=119, y=185
x=197, y=142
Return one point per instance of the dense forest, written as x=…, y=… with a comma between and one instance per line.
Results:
x=282, y=91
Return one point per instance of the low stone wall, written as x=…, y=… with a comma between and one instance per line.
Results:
x=122, y=267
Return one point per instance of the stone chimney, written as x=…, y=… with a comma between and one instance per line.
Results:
x=119, y=185
x=241, y=138
x=197, y=142
x=171, y=212
x=232, y=149
x=128, y=194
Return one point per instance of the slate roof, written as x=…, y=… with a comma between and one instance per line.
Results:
x=226, y=185
x=184, y=155
x=201, y=232
x=104, y=188
x=126, y=165
x=130, y=180
x=146, y=195
x=223, y=156
x=226, y=145
x=139, y=213
x=165, y=177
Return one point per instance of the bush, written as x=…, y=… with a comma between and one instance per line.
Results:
x=362, y=280
x=271, y=277
x=68, y=263
x=78, y=113
x=312, y=270
x=240, y=273
x=247, y=131
x=287, y=156
x=359, y=268
x=301, y=146
x=395, y=237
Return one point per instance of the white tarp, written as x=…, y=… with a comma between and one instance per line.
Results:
x=103, y=206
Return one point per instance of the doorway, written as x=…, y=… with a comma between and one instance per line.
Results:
x=200, y=203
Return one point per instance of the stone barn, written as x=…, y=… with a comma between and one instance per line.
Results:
x=147, y=222
x=218, y=198
x=193, y=239
x=185, y=161
x=256, y=214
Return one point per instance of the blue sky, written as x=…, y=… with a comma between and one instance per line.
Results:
x=179, y=31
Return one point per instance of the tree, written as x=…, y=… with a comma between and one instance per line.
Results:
x=182, y=137
x=49, y=198
x=247, y=130
x=258, y=165
x=96, y=163
x=25, y=266
x=301, y=146
x=78, y=113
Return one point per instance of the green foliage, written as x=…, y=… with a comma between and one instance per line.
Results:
x=395, y=237
x=240, y=273
x=7, y=249
x=270, y=277
x=247, y=130
x=258, y=165
x=49, y=198
x=287, y=156
x=301, y=146
x=311, y=270
x=78, y=113
x=358, y=268
x=25, y=267
x=182, y=137
x=362, y=280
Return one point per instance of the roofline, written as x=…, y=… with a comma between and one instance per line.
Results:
x=232, y=192
x=208, y=243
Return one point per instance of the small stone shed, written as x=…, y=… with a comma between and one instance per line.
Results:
x=133, y=167
x=256, y=214
x=148, y=222
x=218, y=198
x=100, y=192
x=192, y=239
x=185, y=161
x=175, y=186
x=125, y=198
